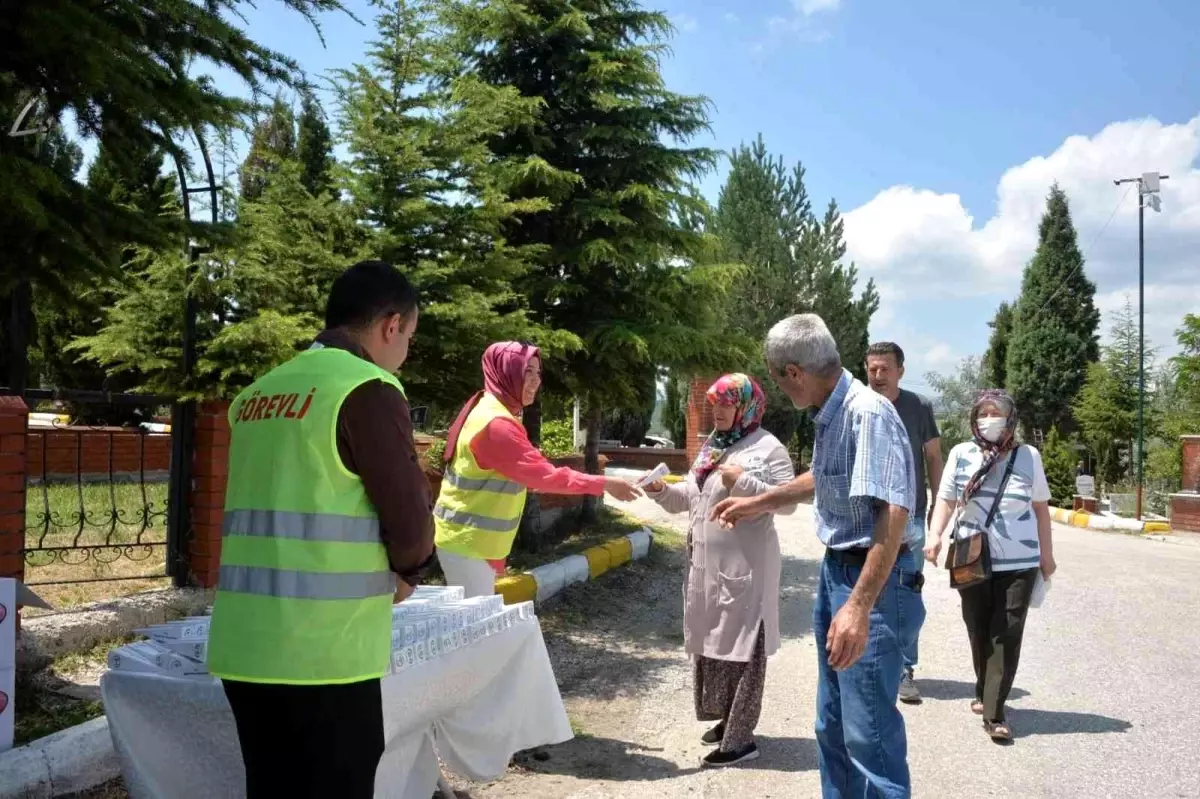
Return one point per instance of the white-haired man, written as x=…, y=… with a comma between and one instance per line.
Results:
x=863, y=478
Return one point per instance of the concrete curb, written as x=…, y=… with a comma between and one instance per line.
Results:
x=542, y=582
x=1096, y=521
x=69, y=761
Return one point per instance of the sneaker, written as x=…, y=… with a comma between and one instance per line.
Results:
x=714, y=736
x=908, y=689
x=719, y=759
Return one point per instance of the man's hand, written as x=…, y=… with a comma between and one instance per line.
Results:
x=729, y=512
x=621, y=490
x=403, y=591
x=847, y=637
x=730, y=476
x=933, y=548
x=1048, y=565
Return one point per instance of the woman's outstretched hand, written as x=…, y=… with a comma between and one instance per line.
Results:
x=621, y=490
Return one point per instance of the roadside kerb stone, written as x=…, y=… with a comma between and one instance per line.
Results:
x=542, y=582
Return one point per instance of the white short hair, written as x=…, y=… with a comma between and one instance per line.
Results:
x=802, y=340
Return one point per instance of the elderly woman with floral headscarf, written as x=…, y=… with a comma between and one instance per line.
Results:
x=731, y=593
x=490, y=463
x=994, y=471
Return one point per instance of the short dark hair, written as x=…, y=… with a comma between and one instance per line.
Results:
x=366, y=292
x=887, y=348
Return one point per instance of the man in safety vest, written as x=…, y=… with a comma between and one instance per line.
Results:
x=326, y=504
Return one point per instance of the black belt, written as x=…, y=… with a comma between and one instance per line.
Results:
x=856, y=556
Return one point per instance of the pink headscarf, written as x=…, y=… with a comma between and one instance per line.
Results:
x=504, y=365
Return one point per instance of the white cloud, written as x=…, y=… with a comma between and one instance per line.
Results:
x=810, y=7
x=919, y=244
x=732, y=18
x=685, y=22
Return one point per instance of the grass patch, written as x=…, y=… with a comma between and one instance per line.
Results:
x=40, y=712
x=96, y=657
x=609, y=524
x=577, y=727
x=123, y=532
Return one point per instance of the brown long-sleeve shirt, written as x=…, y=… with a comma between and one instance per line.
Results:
x=375, y=441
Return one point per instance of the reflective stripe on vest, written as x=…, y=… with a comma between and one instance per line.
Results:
x=496, y=486
x=476, y=520
x=301, y=526
x=292, y=584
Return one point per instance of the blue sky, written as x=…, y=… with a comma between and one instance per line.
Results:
x=939, y=126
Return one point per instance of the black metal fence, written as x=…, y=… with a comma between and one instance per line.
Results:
x=97, y=505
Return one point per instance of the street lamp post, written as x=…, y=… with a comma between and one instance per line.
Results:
x=1148, y=188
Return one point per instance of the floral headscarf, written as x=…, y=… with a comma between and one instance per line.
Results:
x=992, y=451
x=741, y=391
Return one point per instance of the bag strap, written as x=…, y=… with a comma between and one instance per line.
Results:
x=1012, y=459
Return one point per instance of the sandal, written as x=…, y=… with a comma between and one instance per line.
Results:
x=999, y=731
x=977, y=707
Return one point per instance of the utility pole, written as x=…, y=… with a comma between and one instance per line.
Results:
x=1148, y=187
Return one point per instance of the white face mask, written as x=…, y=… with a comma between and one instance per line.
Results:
x=992, y=428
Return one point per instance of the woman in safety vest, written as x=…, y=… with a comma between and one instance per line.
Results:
x=489, y=464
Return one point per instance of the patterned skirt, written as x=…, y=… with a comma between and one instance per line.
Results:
x=732, y=692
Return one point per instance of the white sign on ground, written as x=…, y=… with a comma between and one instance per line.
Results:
x=1085, y=485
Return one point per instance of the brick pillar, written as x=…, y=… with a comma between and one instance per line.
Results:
x=1191, y=463
x=699, y=415
x=14, y=422
x=210, y=472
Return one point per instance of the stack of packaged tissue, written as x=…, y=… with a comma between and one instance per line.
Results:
x=433, y=622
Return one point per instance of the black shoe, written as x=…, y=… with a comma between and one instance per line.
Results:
x=714, y=736
x=719, y=759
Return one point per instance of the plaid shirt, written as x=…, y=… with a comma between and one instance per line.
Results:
x=861, y=455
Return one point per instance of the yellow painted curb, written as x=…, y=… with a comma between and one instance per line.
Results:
x=517, y=588
x=599, y=560
x=620, y=551
x=1080, y=518
x=1156, y=527
x=673, y=478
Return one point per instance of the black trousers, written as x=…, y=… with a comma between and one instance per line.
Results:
x=994, y=612
x=313, y=741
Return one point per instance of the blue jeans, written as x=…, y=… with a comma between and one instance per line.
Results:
x=912, y=606
x=861, y=746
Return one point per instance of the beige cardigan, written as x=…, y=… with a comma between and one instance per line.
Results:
x=732, y=581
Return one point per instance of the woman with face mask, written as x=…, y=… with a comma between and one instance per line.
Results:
x=1018, y=540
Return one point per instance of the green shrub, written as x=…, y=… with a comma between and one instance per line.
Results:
x=558, y=438
x=434, y=455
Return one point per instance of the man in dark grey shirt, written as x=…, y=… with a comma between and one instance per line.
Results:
x=885, y=367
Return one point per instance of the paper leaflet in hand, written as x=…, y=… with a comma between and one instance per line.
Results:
x=660, y=471
x=1041, y=586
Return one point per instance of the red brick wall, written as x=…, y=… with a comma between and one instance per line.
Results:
x=1191, y=463
x=699, y=415
x=210, y=473
x=14, y=416
x=72, y=449
x=647, y=458
x=1185, y=512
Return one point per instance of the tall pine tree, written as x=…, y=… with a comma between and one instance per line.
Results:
x=995, y=360
x=1054, y=326
x=609, y=148
x=1106, y=408
x=272, y=143
x=793, y=264
x=123, y=71
x=434, y=197
x=314, y=147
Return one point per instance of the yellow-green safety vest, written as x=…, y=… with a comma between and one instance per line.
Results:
x=305, y=591
x=478, y=510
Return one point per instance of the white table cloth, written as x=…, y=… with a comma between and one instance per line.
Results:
x=176, y=738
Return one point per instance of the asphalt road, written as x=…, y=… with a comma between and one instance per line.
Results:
x=1104, y=703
